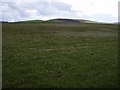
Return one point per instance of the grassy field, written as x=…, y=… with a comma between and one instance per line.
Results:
x=46, y=55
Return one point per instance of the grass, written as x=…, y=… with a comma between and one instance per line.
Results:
x=46, y=55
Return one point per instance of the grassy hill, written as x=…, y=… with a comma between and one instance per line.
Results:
x=63, y=21
x=58, y=20
x=30, y=21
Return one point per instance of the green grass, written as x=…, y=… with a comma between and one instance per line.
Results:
x=50, y=55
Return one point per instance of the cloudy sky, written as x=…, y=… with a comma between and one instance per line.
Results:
x=96, y=10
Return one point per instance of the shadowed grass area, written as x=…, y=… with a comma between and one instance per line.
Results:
x=46, y=55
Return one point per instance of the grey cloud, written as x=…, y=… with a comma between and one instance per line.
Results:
x=18, y=11
x=62, y=6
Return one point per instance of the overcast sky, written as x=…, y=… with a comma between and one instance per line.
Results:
x=96, y=10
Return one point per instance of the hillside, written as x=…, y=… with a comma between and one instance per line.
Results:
x=28, y=21
x=63, y=21
x=58, y=20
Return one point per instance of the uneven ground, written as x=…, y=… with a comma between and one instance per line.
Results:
x=60, y=55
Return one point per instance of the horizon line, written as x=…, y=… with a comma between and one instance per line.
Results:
x=58, y=18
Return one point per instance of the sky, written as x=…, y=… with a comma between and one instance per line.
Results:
x=95, y=10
